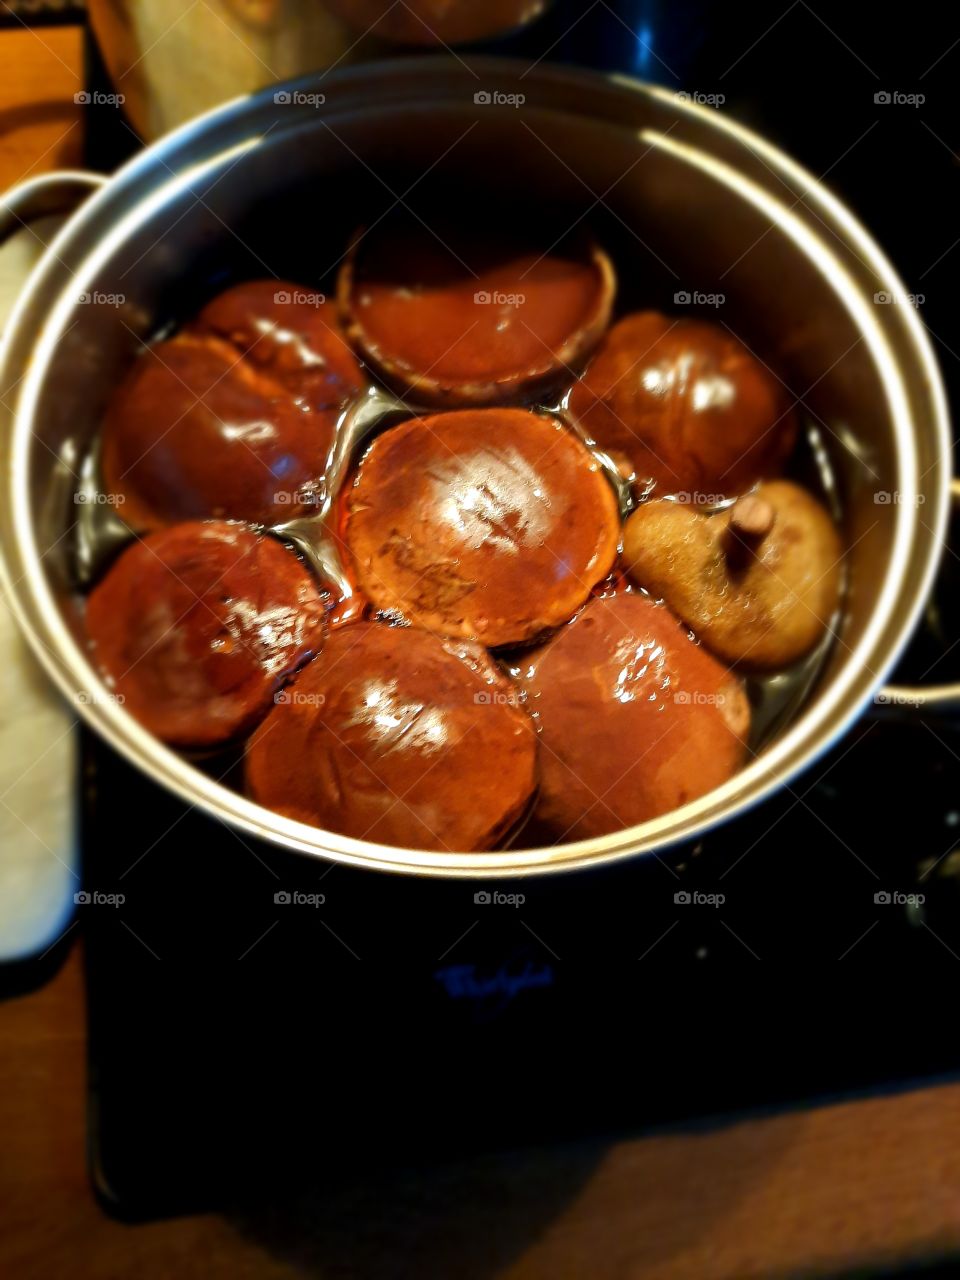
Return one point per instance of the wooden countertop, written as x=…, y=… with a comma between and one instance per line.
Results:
x=803, y=1194
x=40, y=123
x=810, y=1193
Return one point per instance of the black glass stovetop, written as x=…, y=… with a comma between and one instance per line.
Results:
x=259, y=1019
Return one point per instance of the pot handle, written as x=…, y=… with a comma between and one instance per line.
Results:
x=905, y=700
x=59, y=192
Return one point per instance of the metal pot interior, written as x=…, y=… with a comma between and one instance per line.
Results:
x=682, y=201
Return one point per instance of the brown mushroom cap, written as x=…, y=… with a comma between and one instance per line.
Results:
x=635, y=719
x=687, y=404
x=463, y=318
x=762, y=599
x=289, y=332
x=390, y=737
x=493, y=524
x=436, y=22
x=197, y=626
x=196, y=431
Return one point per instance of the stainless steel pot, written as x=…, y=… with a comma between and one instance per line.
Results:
x=701, y=201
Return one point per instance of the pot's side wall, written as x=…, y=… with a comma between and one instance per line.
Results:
x=269, y=198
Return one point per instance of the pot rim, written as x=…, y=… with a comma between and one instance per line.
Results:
x=809, y=735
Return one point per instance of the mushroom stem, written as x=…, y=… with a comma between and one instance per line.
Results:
x=751, y=519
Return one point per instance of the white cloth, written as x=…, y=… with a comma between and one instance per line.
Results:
x=39, y=857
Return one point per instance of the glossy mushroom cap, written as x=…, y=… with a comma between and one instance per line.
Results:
x=635, y=719
x=197, y=626
x=390, y=737
x=196, y=432
x=463, y=318
x=490, y=524
x=234, y=416
x=436, y=22
x=758, y=582
x=291, y=333
x=685, y=405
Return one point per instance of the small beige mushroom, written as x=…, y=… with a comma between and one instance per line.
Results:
x=758, y=582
